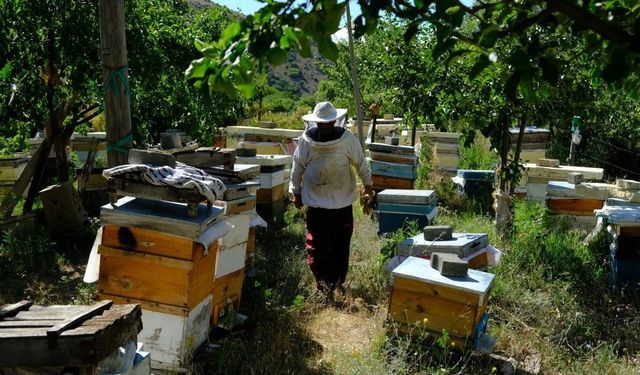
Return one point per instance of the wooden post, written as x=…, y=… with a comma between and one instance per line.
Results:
x=356, y=82
x=115, y=75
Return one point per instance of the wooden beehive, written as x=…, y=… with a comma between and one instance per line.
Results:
x=454, y=304
x=155, y=267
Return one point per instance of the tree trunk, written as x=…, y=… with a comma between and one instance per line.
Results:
x=516, y=157
x=115, y=74
x=356, y=81
x=502, y=203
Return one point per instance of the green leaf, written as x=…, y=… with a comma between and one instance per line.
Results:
x=481, y=63
x=285, y=42
x=442, y=47
x=305, y=49
x=198, y=68
x=231, y=31
x=452, y=10
x=276, y=56
x=489, y=36
x=200, y=45
x=456, y=56
x=327, y=48
x=5, y=72
x=247, y=89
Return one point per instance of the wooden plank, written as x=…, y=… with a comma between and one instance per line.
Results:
x=140, y=189
x=48, y=312
x=562, y=171
x=381, y=147
x=28, y=323
x=137, y=256
x=265, y=160
x=385, y=182
x=83, y=346
x=74, y=321
x=12, y=310
x=575, y=205
x=394, y=158
x=409, y=307
x=146, y=305
x=205, y=157
x=149, y=241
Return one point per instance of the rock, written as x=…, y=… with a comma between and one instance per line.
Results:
x=437, y=232
x=449, y=264
x=151, y=158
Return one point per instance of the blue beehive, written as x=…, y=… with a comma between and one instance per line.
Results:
x=398, y=207
x=475, y=184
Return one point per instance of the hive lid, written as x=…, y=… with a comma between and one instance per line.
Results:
x=407, y=196
x=475, y=282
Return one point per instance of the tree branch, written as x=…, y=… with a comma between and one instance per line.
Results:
x=605, y=29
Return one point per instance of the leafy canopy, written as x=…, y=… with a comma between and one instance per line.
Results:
x=608, y=28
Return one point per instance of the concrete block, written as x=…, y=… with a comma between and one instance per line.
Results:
x=575, y=178
x=555, y=163
x=437, y=232
x=449, y=264
x=151, y=157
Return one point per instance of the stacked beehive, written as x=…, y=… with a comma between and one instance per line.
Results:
x=534, y=142
x=154, y=254
x=265, y=141
x=476, y=184
x=564, y=200
x=392, y=167
x=274, y=181
x=92, y=141
x=445, y=151
x=396, y=207
x=623, y=218
x=536, y=177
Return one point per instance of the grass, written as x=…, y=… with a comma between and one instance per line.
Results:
x=551, y=301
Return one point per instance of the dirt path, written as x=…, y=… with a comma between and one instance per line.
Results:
x=345, y=337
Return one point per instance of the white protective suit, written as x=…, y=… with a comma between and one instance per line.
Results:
x=322, y=172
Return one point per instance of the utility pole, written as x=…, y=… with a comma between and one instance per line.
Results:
x=356, y=81
x=115, y=75
x=576, y=138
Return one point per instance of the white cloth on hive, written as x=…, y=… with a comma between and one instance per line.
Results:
x=182, y=177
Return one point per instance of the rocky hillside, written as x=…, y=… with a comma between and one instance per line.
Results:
x=297, y=76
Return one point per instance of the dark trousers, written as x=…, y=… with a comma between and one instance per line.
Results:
x=328, y=241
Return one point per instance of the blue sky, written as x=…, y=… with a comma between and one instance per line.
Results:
x=251, y=6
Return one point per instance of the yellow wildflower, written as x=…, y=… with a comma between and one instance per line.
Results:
x=494, y=369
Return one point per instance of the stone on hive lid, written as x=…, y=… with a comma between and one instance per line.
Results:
x=449, y=264
x=554, y=163
x=575, y=177
x=151, y=158
x=437, y=232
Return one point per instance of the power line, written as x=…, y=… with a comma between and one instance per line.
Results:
x=603, y=161
x=614, y=146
